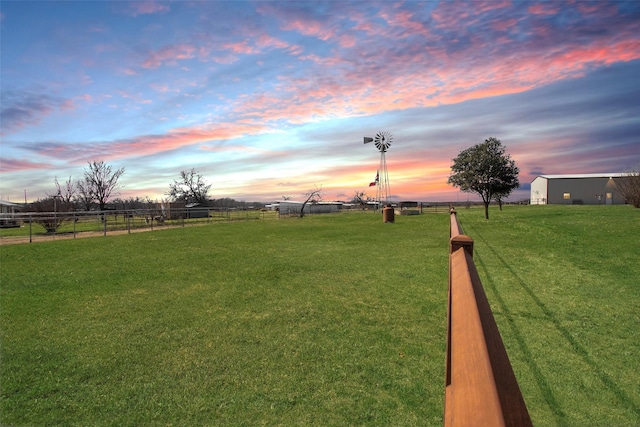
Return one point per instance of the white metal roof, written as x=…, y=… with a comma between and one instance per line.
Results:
x=585, y=175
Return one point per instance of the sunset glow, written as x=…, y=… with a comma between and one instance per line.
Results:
x=273, y=98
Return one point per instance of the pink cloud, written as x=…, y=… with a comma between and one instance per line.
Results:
x=322, y=30
x=404, y=20
x=449, y=15
x=129, y=72
x=309, y=27
x=169, y=55
x=505, y=24
x=265, y=40
x=450, y=77
x=365, y=25
x=490, y=5
x=242, y=47
x=145, y=144
x=162, y=88
x=16, y=165
x=148, y=7
x=137, y=98
x=542, y=9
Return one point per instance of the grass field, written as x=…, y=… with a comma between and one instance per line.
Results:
x=564, y=286
x=329, y=320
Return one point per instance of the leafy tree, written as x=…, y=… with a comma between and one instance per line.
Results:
x=313, y=196
x=100, y=183
x=487, y=170
x=191, y=188
x=629, y=187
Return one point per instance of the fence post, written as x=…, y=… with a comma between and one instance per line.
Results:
x=461, y=241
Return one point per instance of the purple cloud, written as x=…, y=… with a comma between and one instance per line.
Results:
x=21, y=109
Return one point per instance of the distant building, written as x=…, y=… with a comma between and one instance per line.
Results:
x=7, y=214
x=578, y=189
x=288, y=207
x=197, y=210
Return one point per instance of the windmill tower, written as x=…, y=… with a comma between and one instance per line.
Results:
x=383, y=142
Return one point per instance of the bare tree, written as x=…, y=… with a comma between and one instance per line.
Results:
x=360, y=198
x=629, y=186
x=52, y=212
x=85, y=197
x=100, y=183
x=53, y=209
x=66, y=192
x=312, y=196
x=191, y=188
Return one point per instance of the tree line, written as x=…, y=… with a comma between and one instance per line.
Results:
x=485, y=169
x=98, y=188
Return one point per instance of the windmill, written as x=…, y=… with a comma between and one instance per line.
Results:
x=383, y=142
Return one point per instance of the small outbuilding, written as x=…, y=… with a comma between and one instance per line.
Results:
x=7, y=214
x=196, y=210
x=289, y=207
x=577, y=189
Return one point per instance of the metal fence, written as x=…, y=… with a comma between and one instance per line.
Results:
x=31, y=226
x=22, y=227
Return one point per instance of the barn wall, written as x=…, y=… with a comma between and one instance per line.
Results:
x=587, y=191
x=539, y=191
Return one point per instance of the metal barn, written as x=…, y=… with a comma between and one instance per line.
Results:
x=579, y=189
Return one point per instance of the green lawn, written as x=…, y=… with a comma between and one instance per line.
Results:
x=331, y=320
x=564, y=286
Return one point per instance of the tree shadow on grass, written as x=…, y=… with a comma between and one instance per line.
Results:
x=577, y=348
x=543, y=385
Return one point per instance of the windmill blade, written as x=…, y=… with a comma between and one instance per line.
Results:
x=383, y=141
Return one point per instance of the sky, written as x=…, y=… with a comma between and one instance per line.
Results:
x=267, y=99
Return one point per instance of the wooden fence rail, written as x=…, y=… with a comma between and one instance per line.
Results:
x=480, y=386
